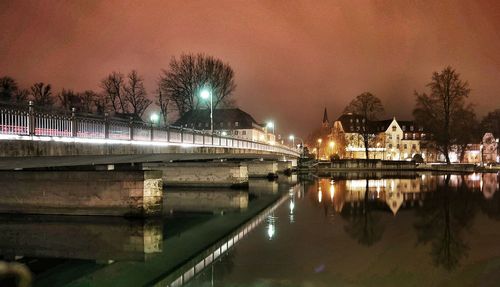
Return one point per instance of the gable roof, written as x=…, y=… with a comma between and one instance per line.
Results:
x=227, y=116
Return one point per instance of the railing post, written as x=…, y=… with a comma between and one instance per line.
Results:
x=151, y=133
x=168, y=133
x=194, y=137
x=74, y=125
x=131, y=129
x=31, y=119
x=203, y=135
x=182, y=135
x=106, y=125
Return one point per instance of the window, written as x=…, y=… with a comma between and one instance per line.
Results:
x=357, y=120
x=244, y=132
x=414, y=136
x=422, y=136
x=411, y=128
x=397, y=137
x=397, y=146
x=351, y=121
x=403, y=127
x=390, y=145
x=393, y=128
x=221, y=124
x=236, y=124
x=405, y=146
x=390, y=137
x=414, y=146
x=357, y=128
x=236, y=132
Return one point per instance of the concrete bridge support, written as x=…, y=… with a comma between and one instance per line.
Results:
x=284, y=166
x=202, y=174
x=261, y=169
x=117, y=193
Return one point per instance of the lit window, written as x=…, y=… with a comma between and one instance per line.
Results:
x=236, y=124
x=411, y=128
x=393, y=128
x=236, y=132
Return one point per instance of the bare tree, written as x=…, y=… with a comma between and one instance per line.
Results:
x=191, y=73
x=42, y=95
x=162, y=101
x=370, y=107
x=491, y=123
x=113, y=90
x=21, y=96
x=8, y=89
x=88, y=99
x=69, y=100
x=135, y=93
x=440, y=110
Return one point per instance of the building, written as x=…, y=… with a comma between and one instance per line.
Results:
x=232, y=122
x=387, y=139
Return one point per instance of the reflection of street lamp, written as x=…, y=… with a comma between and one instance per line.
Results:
x=378, y=149
x=205, y=94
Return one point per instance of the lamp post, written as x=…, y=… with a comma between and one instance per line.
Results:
x=154, y=118
x=481, y=150
x=205, y=94
x=319, y=146
x=292, y=138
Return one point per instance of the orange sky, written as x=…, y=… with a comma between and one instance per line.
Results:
x=291, y=58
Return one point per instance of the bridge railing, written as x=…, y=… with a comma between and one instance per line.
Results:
x=32, y=123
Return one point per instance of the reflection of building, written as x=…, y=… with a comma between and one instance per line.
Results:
x=490, y=148
x=233, y=122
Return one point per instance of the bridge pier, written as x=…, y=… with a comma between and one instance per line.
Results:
x=261, y=169
x=202, y=174
x=134, y=193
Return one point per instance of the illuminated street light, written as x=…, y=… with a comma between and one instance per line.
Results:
x=154, y=118
x=292, y=138
x=224, y=133
x=270, y=125
x=206, y=94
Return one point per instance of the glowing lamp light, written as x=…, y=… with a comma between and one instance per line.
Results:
x=291, y=137
x=205, y=94
x=154, y=118
x=224, y=134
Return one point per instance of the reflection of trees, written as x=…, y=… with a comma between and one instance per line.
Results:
x=441, y=222
x=364, y=226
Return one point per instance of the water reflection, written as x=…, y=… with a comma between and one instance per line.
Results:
x=94, y=238
x=444, y=207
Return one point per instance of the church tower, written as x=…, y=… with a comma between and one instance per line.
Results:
x=326, y=123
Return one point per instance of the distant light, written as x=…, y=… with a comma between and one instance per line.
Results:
x=332, y=144
x=320, y=140
x=320, y=195
x=205, y=94
x=154, y=117
x=270, y=125
x=224, y=134
x=292, y=206
x=291, y=137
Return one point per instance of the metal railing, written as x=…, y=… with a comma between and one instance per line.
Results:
x=32, y=123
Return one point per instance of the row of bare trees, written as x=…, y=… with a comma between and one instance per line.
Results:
x=178, y=89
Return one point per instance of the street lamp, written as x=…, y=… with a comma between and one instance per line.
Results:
x=332, y=145
x=319, y=146
x=270, y=125
x=205, y=94
x=154, y=118
x=292, y=138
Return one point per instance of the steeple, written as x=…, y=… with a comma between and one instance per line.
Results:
x=325, y=119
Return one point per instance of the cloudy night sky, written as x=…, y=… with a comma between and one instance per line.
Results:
x=291, y=58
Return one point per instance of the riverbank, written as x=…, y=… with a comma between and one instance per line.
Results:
x=382, y=165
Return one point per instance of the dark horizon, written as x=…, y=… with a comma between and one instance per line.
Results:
x=291, y=60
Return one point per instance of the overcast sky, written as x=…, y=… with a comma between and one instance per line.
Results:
x=291, y=58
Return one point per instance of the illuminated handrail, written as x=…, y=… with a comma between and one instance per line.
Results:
x=30, y=123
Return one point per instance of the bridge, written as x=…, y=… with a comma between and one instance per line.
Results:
x=117, y=167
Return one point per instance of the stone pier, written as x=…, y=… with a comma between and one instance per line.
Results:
x=115, y=193
x=202, y=174
x=204, y=200
x=262, y=168
x=284, y=166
